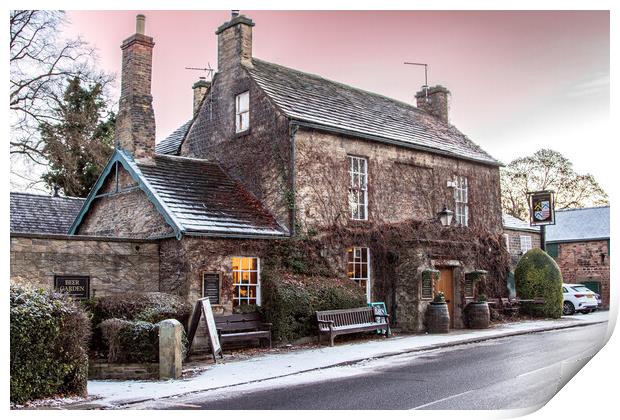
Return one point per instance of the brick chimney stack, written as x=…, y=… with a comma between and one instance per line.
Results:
x=200, y=88
x=135, y=123
x=234, y=42
x=434, y=101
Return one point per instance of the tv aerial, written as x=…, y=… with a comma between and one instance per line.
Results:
x=425, y=87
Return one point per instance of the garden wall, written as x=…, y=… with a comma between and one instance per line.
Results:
x=113, y=265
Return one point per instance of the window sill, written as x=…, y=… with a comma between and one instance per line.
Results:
x=242, y=133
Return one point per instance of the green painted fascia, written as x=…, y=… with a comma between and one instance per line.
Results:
x=124, y=159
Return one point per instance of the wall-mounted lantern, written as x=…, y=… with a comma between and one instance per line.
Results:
x=445, y=216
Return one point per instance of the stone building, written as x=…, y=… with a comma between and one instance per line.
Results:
x=579, y=243
x=519, y=237
x=273, y=153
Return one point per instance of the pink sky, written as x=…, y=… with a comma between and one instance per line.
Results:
x=520, y=80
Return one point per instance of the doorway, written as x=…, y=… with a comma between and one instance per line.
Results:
x=445, y=284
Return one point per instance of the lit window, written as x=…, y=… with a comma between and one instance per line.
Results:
x=526, y=243
x=358, y=268
x=358, y=187
x=461, y=213
x=242, y=112
x=246, y=281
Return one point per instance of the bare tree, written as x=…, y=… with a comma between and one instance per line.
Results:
x=40, y=66
x=547, y=170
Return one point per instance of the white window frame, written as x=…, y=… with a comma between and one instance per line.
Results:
x=237, y=286
x=461, y=201
x=507, y=240
x=358, y=187
x=526, y=244
x=241, y=112
x=354, y=268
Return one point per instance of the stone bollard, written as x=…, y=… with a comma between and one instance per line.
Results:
x=170, y=349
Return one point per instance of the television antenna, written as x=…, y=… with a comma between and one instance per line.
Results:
x=207, y=70
x=425, y=87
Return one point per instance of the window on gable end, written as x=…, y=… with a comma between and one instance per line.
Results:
x=242, y=112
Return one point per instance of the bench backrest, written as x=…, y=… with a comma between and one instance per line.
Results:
x=238, y=322
x=343, y=317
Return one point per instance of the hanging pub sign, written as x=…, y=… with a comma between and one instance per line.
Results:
x=542, y=208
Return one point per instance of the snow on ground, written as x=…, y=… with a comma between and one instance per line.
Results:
x=251, y=371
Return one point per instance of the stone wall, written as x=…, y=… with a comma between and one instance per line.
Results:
x=403, y=184
x=258, y=158
x=114, y=266
x=124, y=212
x=514, y=243
x=586, y=261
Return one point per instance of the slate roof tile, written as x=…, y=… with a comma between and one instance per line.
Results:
x=573, y=225
x=313, y=99
x=203, y=199
x=511, y=222
x=171, y=144
x=35, y=213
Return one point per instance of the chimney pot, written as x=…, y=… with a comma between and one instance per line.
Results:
x=200, y=88
x=140, y=23
x=234, y=13
x=135, y=121
x=234, y=42
x=435, y=101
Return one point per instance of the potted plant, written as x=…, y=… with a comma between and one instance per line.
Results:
x=440, y=298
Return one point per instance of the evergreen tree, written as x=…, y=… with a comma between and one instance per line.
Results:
x=79, y=143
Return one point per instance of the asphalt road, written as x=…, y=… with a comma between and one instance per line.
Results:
x=516, y=372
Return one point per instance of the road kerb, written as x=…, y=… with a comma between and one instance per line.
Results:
x=127, y=403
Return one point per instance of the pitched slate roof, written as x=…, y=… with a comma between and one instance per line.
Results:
x=171, y=144
x=513, y=223
x=574, y=225
x=194, y=196
x=314, y=100
x=203, y=198
x=34, y=213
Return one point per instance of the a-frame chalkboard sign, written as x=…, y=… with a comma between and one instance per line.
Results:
x=203, y=308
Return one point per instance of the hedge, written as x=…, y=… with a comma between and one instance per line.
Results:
x=290, y=301
x=49, y=337
x=149, y=307
x=538, y=275
x=130, y=342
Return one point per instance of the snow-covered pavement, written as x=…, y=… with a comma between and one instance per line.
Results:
x=260, y=368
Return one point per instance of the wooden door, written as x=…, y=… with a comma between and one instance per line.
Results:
x=446, y=285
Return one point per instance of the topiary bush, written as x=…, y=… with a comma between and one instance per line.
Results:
x=49, y=338
x=538, y=275
x=290, y=301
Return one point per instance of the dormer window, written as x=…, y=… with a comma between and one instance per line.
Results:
x=242, y=112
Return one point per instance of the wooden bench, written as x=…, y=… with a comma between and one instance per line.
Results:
x=242, y=327
x=348, y=321
x=512, y=305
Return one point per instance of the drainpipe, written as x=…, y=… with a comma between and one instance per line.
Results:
x=292, y=131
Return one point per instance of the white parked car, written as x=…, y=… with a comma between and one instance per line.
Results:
x=578, y=298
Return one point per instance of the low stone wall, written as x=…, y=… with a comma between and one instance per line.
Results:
x=125, y=371
x=112, y=265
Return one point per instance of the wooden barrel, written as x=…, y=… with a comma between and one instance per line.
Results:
x=437, y=318
x=478, y=315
